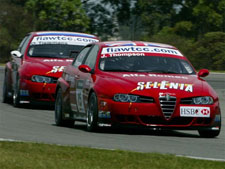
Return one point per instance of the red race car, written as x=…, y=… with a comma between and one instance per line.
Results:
x=32, y=73
x=139, y=84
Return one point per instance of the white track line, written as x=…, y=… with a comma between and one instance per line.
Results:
x=201, y=158
x=11, y=140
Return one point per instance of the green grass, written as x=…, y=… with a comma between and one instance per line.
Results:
x=42, y=156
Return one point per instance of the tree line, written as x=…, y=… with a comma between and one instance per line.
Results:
x=196, y=27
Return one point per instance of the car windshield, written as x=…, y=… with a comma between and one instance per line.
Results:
x=54, y=50
x=156, y=64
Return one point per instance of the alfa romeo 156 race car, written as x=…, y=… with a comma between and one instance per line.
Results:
x=35, y=66
x=136, y=83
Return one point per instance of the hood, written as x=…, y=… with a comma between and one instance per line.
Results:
x=45, y=66
x=149, y=84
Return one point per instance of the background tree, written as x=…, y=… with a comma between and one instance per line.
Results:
x=14, y=24
x=209, y=52
x=58, y=15
x=102, y=20
x=196, y=27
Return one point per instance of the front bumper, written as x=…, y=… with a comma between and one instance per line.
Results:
x=151, y=115
x=37, y=92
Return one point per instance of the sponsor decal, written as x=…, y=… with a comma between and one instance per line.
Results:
x=57, y=39
x=112, y=51
x=79, y=96
x=122, y=54
x=104, y=114
x=154, y=75
x=121, y=44
x=217, y=118
x=24, y=93
x=66, y=34
x=190, y=111
x=165, y=85
x=158, y=45
x=57, y=60
x=56, y=69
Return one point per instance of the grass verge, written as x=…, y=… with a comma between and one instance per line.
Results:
x=42, y=156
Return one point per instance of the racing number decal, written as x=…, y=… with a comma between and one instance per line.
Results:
x=79, y=96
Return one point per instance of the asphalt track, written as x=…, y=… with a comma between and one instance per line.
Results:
x=36, y=124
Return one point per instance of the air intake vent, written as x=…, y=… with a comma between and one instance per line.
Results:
x=186, y=101
x=167, y=104
x=144, y=99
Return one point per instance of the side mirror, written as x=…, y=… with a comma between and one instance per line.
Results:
x=85, y=68
x=203, y=73
x=16, y=53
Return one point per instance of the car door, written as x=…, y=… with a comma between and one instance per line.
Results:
x=85, y=81
x=72, y=76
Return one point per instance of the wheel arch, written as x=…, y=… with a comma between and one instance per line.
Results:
x=90, y=92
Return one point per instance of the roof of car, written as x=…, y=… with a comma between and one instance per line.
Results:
x=65, y=33
x=134, y=43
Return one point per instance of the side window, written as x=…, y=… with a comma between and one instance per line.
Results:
x=78, y=61
x=23, y=44
x=91, y=58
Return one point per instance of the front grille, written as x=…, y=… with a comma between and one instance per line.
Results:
x=186, y=101
x=167, y=104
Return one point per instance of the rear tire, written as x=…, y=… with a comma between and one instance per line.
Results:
x=92, y=113
x=59, y=115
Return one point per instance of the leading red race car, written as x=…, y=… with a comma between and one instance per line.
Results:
x=136, y=83
x=32, y=73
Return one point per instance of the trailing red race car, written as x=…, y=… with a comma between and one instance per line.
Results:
x=32, y=73
x=136, y=83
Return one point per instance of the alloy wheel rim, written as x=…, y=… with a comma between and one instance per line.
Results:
x=14, y=97
x=90, y=115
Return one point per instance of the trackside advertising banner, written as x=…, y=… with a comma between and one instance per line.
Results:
x=136, y=51
x=57, y=39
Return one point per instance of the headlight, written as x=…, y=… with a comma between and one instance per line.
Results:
x=203, y=100
x=125, y=98
x=41, y=79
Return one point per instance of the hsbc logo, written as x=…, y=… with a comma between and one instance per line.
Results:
x=205, y=111
x=190, y=111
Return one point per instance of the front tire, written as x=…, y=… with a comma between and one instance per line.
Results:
x=92, y=113
x=59, y=115
x=5, y=95
x=208, y=133
x=16, y=94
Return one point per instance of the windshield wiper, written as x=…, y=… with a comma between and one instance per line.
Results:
x=157, y=71
x=50, y=56
x=119, y=70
